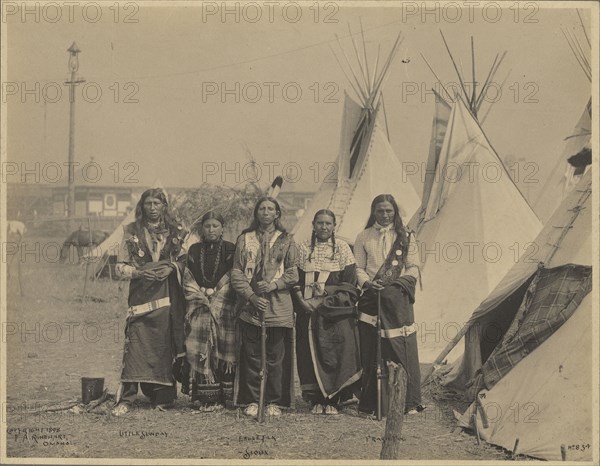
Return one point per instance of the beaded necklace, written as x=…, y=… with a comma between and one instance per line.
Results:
x=217, y=261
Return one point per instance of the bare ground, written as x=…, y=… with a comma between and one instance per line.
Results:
x=53, y=339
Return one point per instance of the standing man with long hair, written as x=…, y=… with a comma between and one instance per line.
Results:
x=264, y=270
x=387, y=267
x=150, y=257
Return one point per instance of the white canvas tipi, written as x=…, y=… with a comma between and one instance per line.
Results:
x=366, y=163
x=528, y=359
x=564, y=176
x=472, y=223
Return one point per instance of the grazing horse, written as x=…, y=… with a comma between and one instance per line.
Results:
x=14, y=227
x=80, y=239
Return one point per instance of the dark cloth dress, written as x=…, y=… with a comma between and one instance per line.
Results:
x=210, y=325
x=154, y=327
x=327, y=348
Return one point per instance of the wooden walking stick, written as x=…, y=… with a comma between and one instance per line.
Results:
x=272, y=191
x=379, y=369
x=263, y=368
x=87, y=263
x=263, y=343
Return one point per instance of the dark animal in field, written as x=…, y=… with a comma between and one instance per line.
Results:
x=81, y=239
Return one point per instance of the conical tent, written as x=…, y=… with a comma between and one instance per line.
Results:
x=366, y=163
x=104, y=254
x=471, y=225
x=527, y=366
x=564, y=176
x=438, y=135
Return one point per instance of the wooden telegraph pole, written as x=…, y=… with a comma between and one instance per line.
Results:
x=73, y=67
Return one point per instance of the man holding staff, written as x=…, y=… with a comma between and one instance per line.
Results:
x=264, y=271
x=387, y=267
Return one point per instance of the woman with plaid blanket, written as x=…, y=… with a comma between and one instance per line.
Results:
x=210, y=320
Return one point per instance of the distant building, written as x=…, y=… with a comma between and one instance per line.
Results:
x=294, y=199
x=105, y=203
x=28, y=200
x=101, y=201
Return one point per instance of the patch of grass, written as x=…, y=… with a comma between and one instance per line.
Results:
x=54, y=339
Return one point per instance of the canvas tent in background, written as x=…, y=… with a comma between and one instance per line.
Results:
x=564, y=176
x=366, y=163
x=472, y=222
x=527, y=365
x=105, y=254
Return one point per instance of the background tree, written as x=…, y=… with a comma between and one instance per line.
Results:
x=235, y=204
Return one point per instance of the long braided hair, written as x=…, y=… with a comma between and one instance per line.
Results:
x=313, y=238
x=401, y=231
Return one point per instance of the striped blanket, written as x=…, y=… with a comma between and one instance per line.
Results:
x=209, y=327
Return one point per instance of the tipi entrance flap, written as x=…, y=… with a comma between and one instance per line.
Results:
x=545, y=400
x=350, y=119
x=545, y=397
x=566, y=238
x=438, y=133
x=549, y=302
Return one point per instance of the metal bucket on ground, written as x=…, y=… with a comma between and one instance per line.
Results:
x=91, y=388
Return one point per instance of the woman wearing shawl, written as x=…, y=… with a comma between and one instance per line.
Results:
x=387, y=264
x=210, y=319
x=264, y=271
x=150, y=257
x=327, y=348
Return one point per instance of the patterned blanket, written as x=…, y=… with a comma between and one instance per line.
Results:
x=209, y=326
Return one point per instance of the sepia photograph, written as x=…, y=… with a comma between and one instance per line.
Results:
x=299, y=232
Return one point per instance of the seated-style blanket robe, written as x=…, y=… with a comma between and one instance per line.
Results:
x=154, y=326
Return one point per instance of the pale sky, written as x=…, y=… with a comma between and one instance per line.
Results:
x=172, y=53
